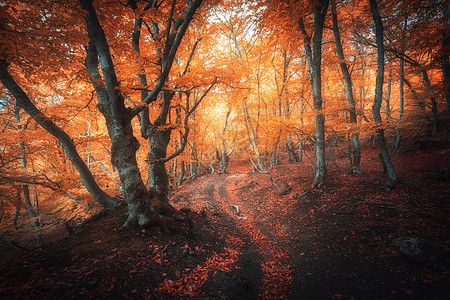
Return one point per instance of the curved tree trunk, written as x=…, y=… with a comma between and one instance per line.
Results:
x=384, y=153
x=24, y=102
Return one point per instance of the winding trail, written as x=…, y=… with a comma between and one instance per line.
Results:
x=263, y=270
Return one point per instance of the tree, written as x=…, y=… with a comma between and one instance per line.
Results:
x=223, y=156
x=356, y=150
x=384, y=153
x=112, y=95
x=314, y=57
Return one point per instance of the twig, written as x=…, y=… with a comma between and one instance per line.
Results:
x=115, y=221
x=162, y=254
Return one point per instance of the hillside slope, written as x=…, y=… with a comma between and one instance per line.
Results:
x=352, y=240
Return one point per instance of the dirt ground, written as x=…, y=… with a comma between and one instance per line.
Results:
x=352, y=239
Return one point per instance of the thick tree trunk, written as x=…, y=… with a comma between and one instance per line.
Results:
x=223, y=159
x=384, y=153
x=158, y=140
x=355, y=151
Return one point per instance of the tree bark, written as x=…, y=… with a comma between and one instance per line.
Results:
x=144, y=205
x=253, y=138
x=401, y=93
x=314, y=57
x=223, y=156
x=384, y=153
x=355, y=151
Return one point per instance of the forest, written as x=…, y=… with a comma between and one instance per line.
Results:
x=224, y=149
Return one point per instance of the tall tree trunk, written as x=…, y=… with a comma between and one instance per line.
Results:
x=434, y=120
x=141, y=202
x=401, y=91
x=253, y=139
x=24, y=102
x=446, y=53
x=314, y=57
x=388, y=96
x=17, y=211
x=355, y=151
x=384, y=153
x=401, y=104
x=446, y=60
x=224, y=155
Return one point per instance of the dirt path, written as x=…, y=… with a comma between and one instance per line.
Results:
x=264, y=250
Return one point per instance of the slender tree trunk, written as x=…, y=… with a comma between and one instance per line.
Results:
x=253, y=139
x=16, y=212
x=355, y=151
x=384, y=153
x=446, y=61
x=1, y=209
x=25, y=187
x=314, y=57
x=446, y=53
x=181, y=175
x=33, y=215
x=388, y=96
x=300, y=149
x=434, y=120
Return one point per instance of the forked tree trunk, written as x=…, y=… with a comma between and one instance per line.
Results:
x=144, y=207
x=384, y=153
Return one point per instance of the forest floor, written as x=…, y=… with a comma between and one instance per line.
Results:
x=353, y=239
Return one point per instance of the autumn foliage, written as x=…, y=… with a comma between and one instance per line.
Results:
x=109, y=104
